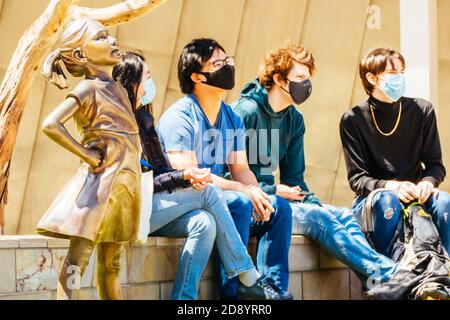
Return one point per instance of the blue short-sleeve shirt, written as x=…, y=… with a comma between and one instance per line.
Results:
x=185, y=127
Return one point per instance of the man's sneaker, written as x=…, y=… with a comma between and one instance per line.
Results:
x=263, y=289
x=285, y=295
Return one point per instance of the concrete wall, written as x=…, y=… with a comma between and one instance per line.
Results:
x=444, y=82
x=336, y=31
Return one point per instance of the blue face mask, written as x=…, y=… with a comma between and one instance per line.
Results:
x=149, y=92
x=393, y=86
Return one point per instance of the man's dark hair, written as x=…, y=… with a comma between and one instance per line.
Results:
x=192, y=58
x=375, y=62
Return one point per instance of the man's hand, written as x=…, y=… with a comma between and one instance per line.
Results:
x=261, y=202
x=425, y=190
x=405, y=190
x=289, y=193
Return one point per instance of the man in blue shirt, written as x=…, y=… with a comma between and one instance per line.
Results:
x=201, y=130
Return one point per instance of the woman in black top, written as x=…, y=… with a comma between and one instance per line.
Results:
x=392, y=142
x=198, y=213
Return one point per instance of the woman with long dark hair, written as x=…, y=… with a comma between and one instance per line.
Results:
x=185, y=204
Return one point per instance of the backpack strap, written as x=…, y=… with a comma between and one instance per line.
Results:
x=368, y=217
x=368, y=221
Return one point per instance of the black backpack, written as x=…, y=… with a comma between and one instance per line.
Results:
x=424, y=264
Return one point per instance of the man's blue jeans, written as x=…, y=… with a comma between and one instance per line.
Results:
x=387, y=210
x=336, y=230
x=172, y=216
x=273, y=240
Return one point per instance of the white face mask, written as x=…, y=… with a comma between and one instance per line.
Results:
x=149, y=92
x=393, y=86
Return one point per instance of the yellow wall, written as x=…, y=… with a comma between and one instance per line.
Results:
x=444, y=83
x=334, y=30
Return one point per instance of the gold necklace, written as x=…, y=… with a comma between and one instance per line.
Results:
x=396, y=125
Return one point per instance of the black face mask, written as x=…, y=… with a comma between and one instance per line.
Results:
x=299, y=91
x=222, y=78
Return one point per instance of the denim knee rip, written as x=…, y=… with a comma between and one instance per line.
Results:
x=388, y=213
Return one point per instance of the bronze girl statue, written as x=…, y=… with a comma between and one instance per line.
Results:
x=100, y=206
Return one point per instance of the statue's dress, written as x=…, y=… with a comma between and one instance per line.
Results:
x=101, y=204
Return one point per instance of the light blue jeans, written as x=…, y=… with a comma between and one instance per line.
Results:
x=204, y=219
x=336, y=230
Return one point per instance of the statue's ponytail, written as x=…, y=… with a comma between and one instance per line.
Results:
x=53, y=71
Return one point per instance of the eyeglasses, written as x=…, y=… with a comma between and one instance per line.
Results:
x=218, y=64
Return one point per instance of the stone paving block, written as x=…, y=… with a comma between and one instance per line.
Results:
x=208, y=290
x=356, y=288
x=124, y=292
x=149, y=264
x=36, y=270
x=144, y=292
x=40, y=295
x=9, y=242
x=303, y=257
x=210, y=267
x=151, y=242
x=295, y=285
x=7, y=271
x=124, y=270
x=88, y=294
x=298, y=239
x=58, y=243
x=327, y=261
x=166, y=242
x=166, y=290
x=333, y=284
x=33, y=241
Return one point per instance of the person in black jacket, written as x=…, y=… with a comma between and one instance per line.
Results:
x=185, y=204
x=391, y=142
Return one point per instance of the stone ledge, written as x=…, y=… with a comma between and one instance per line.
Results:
x=295, y=239
x=8, y=242
x=39, y=295
x=37, y=241
x=31, y=265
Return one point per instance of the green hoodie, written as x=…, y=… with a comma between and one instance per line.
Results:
x=254, y=109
